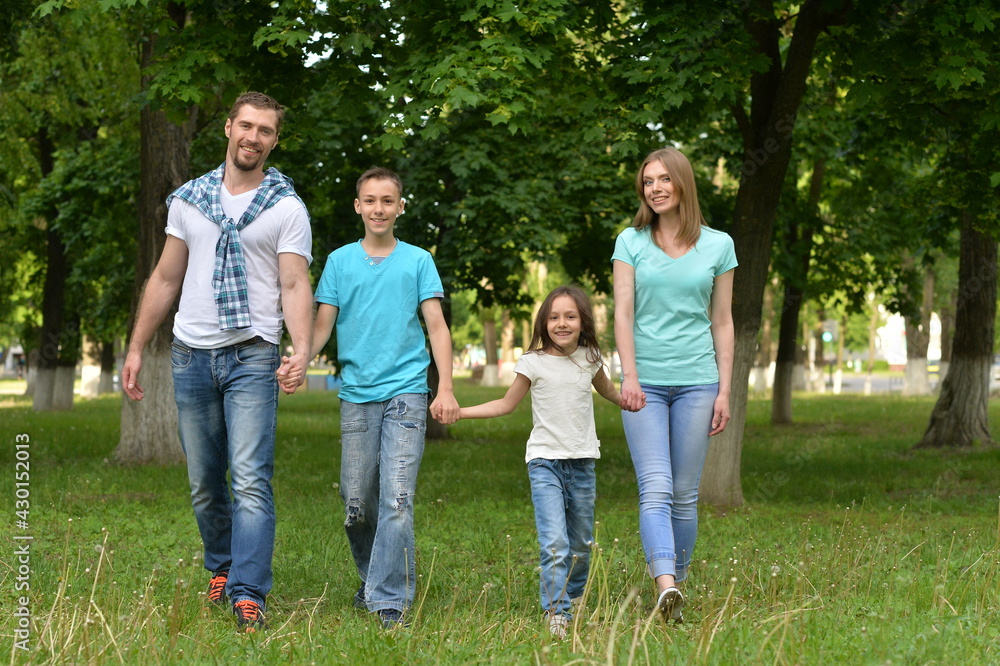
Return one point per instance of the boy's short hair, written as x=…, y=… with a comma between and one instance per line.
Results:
x=380, y=173
x=258, y=100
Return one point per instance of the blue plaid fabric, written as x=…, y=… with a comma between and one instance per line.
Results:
x=229, y=280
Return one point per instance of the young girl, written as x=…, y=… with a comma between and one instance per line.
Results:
x=562, y=363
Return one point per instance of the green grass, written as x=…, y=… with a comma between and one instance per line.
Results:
x=851, y=548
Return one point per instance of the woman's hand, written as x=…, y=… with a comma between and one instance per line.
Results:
x=633, y=399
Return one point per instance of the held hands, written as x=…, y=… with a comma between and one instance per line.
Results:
x=445, y=408
x=292, y=372
x=633, y=397
x=720, y=417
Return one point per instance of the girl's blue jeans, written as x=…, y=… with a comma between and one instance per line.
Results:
x=668, y=440
x=563, y=492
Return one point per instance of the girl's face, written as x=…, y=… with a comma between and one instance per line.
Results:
x=563, y=324
x=658, y=188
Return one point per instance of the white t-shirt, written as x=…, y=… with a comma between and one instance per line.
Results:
x=282, y=228
x=562, y=405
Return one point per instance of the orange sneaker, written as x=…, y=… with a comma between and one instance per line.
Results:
x=249, y=616
x=217, y=587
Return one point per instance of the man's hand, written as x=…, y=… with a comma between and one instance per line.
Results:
x=292, y=372
x=130, y=375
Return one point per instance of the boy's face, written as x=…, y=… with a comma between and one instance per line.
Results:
x=379, y=203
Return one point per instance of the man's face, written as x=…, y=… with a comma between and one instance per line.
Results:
x=252, y=136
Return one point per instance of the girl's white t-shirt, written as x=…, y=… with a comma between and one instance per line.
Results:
x=562, y=405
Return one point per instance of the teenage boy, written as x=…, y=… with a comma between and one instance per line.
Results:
x=238, y=249
x=371, y=290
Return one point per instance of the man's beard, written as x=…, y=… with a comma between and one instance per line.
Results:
x=241, y=164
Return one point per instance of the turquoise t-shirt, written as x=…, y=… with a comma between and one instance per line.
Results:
x=380, y=342
x=673, y=332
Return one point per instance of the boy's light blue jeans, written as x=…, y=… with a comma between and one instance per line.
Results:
x=563, y=492
x=668, y=440
x=383, y=443
x=227, y=402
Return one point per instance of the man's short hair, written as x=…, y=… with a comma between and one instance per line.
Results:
x=257, y=100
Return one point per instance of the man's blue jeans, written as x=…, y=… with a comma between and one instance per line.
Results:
x=563, y=492
x=227, y=402
x=668, y=440
x=382, y=445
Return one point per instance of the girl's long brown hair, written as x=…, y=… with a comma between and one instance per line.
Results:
x=682, y=175
x=540, y=340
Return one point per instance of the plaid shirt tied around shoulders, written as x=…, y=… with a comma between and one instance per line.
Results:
x=229, y=280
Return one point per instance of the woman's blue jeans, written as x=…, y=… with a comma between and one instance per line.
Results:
x=668, y=440
x=383, y=443
x=227, y=405
x=563, y=492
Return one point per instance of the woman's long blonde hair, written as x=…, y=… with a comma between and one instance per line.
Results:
x=682, y=176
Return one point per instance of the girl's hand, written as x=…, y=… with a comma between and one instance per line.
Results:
x=720, y=417
x=633, y=399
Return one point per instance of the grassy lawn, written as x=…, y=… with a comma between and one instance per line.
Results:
x=851, y=548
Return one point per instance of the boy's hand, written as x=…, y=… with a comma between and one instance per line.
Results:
x=291, y=374
x=445, y=408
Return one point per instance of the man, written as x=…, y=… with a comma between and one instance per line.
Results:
x=238, y=249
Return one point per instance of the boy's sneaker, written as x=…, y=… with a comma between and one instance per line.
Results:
x=558, y=624
x=670, y=603
x=249, y=616
x=217, y=587
x=392, y=618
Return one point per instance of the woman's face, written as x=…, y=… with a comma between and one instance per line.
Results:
x=658, y=188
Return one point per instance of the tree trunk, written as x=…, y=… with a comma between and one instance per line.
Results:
x=800, y=236
x=838, y=370
x=507, y=348
x=149, y=426
x=918, y=338
x=784, y=366
x=53, y=334
x=762, y=364
x=491, y=375
x=107, y=383
x=947, y=316
x=873, y=321
x=775, y=97
x=960, y=417
x=819, y=365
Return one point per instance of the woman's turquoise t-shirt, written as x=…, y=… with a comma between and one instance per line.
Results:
x=673, y=332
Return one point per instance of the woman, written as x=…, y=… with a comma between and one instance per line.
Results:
x=673, y=281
